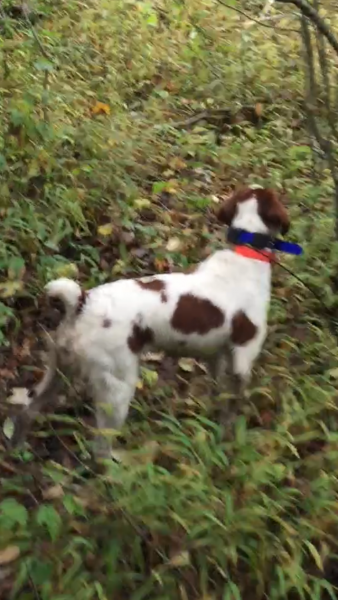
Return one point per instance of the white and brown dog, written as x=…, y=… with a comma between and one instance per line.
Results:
x=222, y=305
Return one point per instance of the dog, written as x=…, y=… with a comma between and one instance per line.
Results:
x=222, y=305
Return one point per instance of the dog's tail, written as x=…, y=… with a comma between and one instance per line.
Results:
x=69, y=292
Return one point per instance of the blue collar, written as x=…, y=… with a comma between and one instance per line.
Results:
x=261, y=241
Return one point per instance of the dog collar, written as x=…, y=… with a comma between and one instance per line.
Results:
x=261, y=241
x=261, y=255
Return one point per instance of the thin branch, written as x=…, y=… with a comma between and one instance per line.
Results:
x=313, y=15
x=324, y=67
x=310, y=103
x=250, y=18
x=26, y=12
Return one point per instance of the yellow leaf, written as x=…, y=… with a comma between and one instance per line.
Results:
x=9, y=554
x=142, y=203
x=69, y=270
x=106, y=229
x=100, y=108
x=8, y=289
x=139, y=385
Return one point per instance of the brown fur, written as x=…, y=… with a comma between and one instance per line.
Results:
x=139, y=337
x=196, y=315
x=242, y=329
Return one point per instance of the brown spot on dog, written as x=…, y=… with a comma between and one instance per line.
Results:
x=81, y=302
x=196, y=315
x=139, y=337
x=154, y=285
x=270, y=208
x=242, y=329
x=164, y=297
x=106, y=323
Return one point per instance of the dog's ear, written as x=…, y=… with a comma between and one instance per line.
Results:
x=227, y=211
x=272, y=211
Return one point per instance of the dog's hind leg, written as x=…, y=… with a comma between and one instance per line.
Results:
x=42, y=394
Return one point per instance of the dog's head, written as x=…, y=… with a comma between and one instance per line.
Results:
x=257, y=210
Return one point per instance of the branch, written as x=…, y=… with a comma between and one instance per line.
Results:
x=26, y=14
x=310, y=102
x=312, y=14
x=250, y=18
x=324, y=67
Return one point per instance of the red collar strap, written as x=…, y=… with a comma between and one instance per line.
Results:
x=262, y=255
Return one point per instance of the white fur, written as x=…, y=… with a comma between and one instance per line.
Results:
x=231, y=282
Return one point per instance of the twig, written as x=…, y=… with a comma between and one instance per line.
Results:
x=324, y=67
x=313, y=15
x=310, y=102
x=26, y=13
x=250, y=18
x=204, y=115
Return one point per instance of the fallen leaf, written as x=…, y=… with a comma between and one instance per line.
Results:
x=69, y=270
x=153, y=357
x=101, y=108
x=182, y=559
x=174, y=244
x=19, y=396
x=9, y=554
x=187, y=365
x=10, y=288
x=259, y=109
x=106, y=229
x=8, y=428
x=160, y=264
x=177, y=163
x=53, y=492
x=142, y=203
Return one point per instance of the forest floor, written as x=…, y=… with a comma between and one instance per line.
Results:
x=104, y=174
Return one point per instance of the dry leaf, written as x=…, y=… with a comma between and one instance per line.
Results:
x=160, y=264
x=153, y=357
x=19, y=396
x=177, y=163
x=187, y=365
x=53, y=492
x=180, y=560
x=100, y=108
x=259, y=109
x=174, y=244
x=9, y=554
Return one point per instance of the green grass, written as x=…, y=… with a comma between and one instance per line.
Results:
x=100, y=191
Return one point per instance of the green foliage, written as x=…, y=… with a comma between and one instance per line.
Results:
x=96, y=181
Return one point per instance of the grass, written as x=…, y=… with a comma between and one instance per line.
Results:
x=97, y=182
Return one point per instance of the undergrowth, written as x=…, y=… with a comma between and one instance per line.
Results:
x=102, y=177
